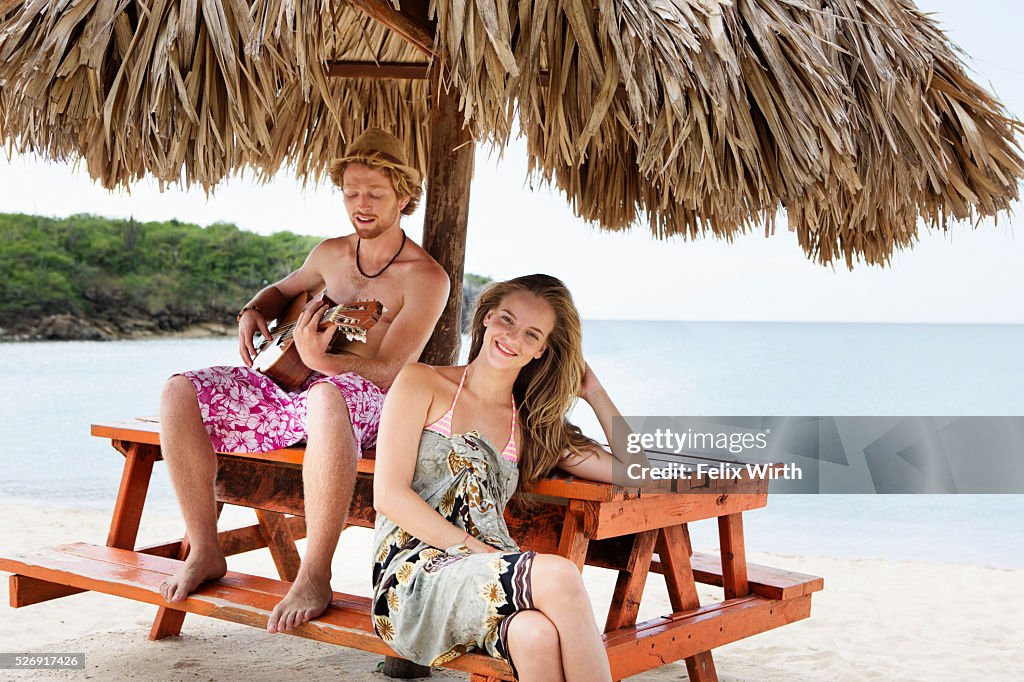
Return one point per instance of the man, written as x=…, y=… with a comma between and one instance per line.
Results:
x=336, y=411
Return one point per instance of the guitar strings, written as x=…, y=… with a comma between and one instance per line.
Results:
x=284, y=332
x=327, y=317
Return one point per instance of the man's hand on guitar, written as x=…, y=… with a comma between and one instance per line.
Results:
x=311, y=340
x=249, y=323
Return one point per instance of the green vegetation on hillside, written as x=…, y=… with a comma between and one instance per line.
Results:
x=175, y=272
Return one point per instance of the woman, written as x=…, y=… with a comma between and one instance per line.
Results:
x=455, y=443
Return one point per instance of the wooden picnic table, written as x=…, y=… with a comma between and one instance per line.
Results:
x=589, y=523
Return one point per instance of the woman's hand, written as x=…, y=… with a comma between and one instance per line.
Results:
x=590, y=384
x=311, y=341
x=477, y=547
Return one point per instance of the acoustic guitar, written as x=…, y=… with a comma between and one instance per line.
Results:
x=278, y=358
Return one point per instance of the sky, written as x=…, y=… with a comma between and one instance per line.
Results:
x=973, y=274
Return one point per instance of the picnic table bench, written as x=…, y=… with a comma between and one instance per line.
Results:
x=589, y=523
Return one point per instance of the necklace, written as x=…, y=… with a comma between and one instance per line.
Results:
x=360, y=267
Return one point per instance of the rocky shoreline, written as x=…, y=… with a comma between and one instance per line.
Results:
x=70, y=327
x=74, y=327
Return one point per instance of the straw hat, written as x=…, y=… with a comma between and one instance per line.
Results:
x=379, y=145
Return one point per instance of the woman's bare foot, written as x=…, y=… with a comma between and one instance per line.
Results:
x=306, y=600
x=198, y=568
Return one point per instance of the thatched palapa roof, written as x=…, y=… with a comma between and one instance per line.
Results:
x=695, y=116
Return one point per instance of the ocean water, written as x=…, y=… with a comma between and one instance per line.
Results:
x=52, y=391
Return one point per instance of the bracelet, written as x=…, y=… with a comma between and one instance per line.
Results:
x=465, y=539
x=238, y=317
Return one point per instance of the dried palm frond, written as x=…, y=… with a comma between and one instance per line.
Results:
x=697, y=117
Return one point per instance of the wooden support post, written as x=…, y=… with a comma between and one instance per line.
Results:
x=377, y=70
x=573, y=543
x=409, y=20
x=234, y=541
x=281, y=544
x=449, y=172
x=167, y=623
x=674, y=552
x=701, y=668
x=734, y=556
x=131, y=496
x=25, y=590
x=629, y=587
x=401, y=669
x=684, y=531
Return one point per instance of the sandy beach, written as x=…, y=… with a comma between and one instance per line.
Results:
x=875, y=620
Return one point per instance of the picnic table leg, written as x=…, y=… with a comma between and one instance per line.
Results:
x=674, y=552
x=24, y=590
x=629, y=586
x=280, y=542
x=402, y=669
x=734, y=557
x=131, y=496
x=572, y=544
x=168, y=621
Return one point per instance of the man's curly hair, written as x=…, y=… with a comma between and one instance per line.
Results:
x=403, y=185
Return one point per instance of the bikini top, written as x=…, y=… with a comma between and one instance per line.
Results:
x=443, y=426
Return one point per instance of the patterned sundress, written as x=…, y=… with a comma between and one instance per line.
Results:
x=430, y=604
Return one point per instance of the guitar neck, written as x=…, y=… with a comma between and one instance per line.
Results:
x=326, y=317
x=339, y=311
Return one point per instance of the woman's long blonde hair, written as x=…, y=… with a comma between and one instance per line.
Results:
x=548, y=386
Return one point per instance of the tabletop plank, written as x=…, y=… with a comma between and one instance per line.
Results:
x=146, y=430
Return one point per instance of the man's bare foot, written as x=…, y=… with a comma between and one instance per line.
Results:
x=305, y=601
x=197, y=569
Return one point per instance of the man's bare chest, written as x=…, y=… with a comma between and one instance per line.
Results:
x=344, y=288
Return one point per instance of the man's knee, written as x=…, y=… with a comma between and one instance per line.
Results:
x=328, y=399
x=178, y=394
x=327, y=412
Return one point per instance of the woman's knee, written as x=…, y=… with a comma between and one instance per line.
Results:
x=532, y=635
x=556, y=579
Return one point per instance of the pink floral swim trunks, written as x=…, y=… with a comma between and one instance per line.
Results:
x=245, y=411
